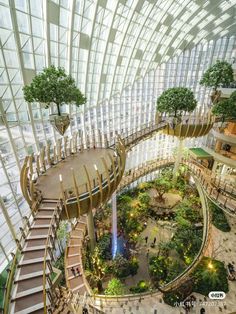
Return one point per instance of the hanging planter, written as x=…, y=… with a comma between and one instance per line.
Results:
x=54, y=87
x=219, y=74
x=60, y=123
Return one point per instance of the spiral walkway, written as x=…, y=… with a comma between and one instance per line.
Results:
x=29, y=286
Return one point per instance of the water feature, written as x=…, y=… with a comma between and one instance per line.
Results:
x=114, y=225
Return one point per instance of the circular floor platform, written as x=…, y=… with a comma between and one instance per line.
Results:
x=49, y=183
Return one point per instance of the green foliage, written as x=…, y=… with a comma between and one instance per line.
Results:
x=212, y=278
x=158, y=269
x=59, y=263
x=3, y=280
x=173, y=298
x=122, y=267
x=104, y=246
x=144, y=198
x=162, y=185
x=141, y=286
x=164, y=269
x=176, y=100
x=187, y=242
x=115, y=287
x=221, y=73
x=143, y=186
x=219, y=219
x=62, y=231
x=188, y=211
x=225, y=109
x=53, y=85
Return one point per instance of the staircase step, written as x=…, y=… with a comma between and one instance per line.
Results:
x=72, y=255
x=48, y=200
x=78, y=287
x=43, y=216
x=28, y=292
x=32, y=249
x=39, y=226
x=37, y=237
x=32, y=261
x=74, y=265
x=19, y=277
x=31, y=309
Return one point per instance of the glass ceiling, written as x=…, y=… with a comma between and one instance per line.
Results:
x=122, y=54
x=104, y=44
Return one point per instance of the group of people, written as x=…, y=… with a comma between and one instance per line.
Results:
x=76, y=272
x=153, y=243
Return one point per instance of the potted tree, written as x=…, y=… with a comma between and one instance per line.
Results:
x=221, y=73
x=175, y=101
x=225, y=109
x=54, y=86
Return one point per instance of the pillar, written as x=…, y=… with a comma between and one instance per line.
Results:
x=91, y=231
x=178, y=158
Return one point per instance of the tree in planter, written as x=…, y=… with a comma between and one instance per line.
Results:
x=175, y=101
x=225, y=109
x=54, y=86
x=162, y=185
x=221, y=73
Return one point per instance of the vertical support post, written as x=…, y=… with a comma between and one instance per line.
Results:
x=90, y=222
x=178, y=158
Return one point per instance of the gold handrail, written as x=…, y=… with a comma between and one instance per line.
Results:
x=10, y=277
x=56, y=213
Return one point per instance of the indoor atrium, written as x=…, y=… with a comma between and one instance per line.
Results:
x=117, y=156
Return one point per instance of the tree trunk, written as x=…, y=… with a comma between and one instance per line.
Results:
x=99, y=286
x=58, y=109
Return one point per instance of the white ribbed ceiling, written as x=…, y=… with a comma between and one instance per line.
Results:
x=104, y=44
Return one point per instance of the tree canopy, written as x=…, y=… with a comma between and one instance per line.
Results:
x=162, y=185
x=53, y=85
x=176, y=100
x=221, y=73
x=225, y=109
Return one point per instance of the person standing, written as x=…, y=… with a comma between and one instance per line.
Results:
x=146, y=239
x=154, y=240
x=73, y=271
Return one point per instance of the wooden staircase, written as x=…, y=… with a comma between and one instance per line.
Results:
x=28, y=290
x=74, y=258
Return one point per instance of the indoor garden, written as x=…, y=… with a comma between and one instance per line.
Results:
x=160, y=229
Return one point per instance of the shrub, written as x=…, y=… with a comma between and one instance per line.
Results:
x=218, y=218
x=210, y=275
x=173, y=298
x=122, y=267
x=115, y=287
x=141, y=286
x=104, y=246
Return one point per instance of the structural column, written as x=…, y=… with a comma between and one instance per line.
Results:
x=91, y=231
x=114, y=225
x=178, y=157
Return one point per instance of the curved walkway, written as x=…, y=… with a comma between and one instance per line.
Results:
x=205, y=187
x=102, y=301
x=32, y=284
